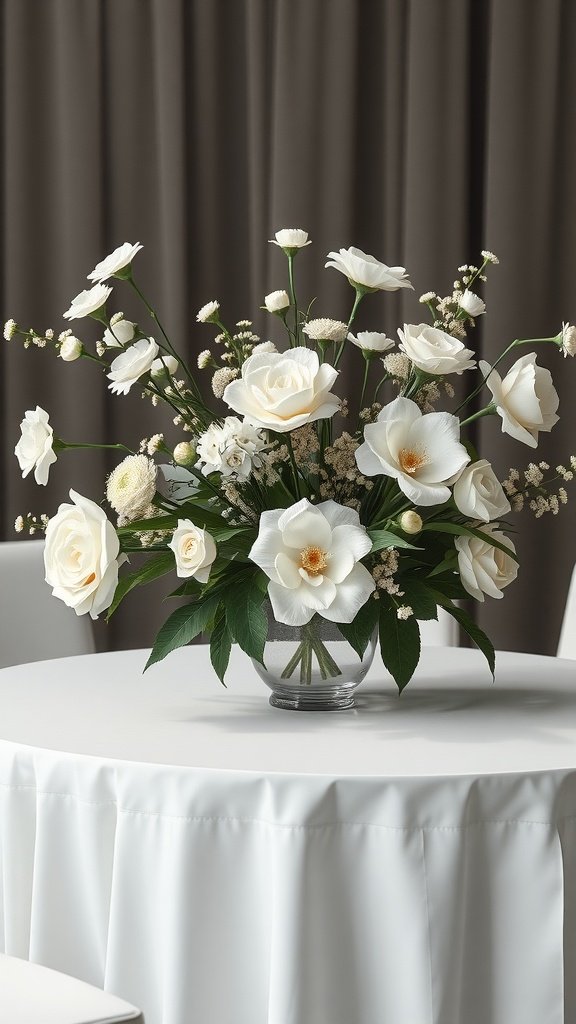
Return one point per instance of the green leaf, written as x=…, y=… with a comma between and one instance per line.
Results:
x=151, y=570
x=246, y=617
x=399, y=644
x=156, y=523
x=460, y=529
x=419, y=597
x=477, y=635
x=386, y=539
x=220, y=645
x=181, y=627
x=358, y=632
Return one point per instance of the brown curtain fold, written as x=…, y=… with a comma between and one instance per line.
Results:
x=418, y=130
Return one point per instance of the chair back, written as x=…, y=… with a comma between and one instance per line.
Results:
x=30, y=994
x=34, y=625
x=567, y=642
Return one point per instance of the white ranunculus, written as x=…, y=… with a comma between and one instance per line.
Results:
x=87, y=302
x=366, y=271
x=434, y=351
x=131, y=486
x=311, y=555
x=70, y=349
x=115, y=262
x=81, y=556
x=277, y=302
x=290, y=238
x=121, y=333
x=483, y=568
x=230, y=449
x=194, y=550
x=371, y=341
x=472, y=303
x=34, y=450
x=131, y=364
x=479, y=494
x=526, y=399
x=282, y=391
x=422, y=452
x=163, y=366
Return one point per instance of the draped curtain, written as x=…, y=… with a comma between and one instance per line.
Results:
x=418, y=130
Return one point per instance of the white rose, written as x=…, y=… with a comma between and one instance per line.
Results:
x=526, y=399
x=131, y=486
x=434, y=351
x=276, y=302
x=282, y=391
x=311, y=555
x=34, y=450
x=70, y=349
x=472, y=303
x=479, y=494
x=131, y=364
x=81, y=556
x=366, y=271
x=194, y=551
x=163, y=366
x=290, y=238
x=483, y=568
x=119, y=334
x=115, y=262
x=422, y=452
x=87, y=302
x=371, y=341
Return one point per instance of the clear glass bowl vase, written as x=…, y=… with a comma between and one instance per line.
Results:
x=312, y=667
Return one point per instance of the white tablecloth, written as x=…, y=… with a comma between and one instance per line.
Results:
x=216, y=861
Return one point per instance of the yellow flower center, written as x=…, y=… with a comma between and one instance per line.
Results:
x=412, y=459
x=313, y=559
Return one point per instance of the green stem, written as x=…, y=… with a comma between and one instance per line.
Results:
x=364, y=382
x=153, y=314
x=63, y=445
x=357, y=300
x=293, y=298
x=488, y=411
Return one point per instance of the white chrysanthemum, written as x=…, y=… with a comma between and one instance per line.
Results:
x=290, y=238
x=427, y=297
x=115, y=262
x=568, y=340
x=221, y=379
x=264, y=346
x=131, y=486
x=10, y=328
x=371, y=341
x=87, y=302
x=277, y=302
x=324, y=329
x=19, y=524
x=208, y=313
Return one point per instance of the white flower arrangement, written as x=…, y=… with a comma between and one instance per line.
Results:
x=372, y=524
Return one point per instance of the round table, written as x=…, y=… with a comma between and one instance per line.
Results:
x=217, y=861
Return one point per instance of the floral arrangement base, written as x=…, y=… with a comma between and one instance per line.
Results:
x=312, y=667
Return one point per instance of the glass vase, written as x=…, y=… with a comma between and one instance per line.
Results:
x=312, y=667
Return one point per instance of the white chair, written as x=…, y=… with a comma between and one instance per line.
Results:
x=567, y=642
x=34, y=625
x=439, y=633
x=30, y=994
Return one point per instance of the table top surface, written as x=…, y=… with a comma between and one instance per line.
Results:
x=451, y=720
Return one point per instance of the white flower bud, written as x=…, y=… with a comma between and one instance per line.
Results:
x=276, y=302
x=184, y=453
x=411, y=522
x=71, y=349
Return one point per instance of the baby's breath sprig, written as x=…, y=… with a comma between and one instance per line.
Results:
x=31, y=523
x=531, y=487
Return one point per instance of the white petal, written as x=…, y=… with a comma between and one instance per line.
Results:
x=351, y=595
x=288, y=605
x=303, y=524
x=370, y=464
x=338, y=515
x=287, y=571
x=349, y=545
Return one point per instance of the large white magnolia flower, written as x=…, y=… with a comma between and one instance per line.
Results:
x=434, y=351
x=526, y=399
x=311, y=555
x=422, y=452
x=290, y=238
x=230, y=449
x=87, y=302
x=479, y=494
x=34, y=450
x=282, y=391
x=131, y=364
x=483, y=568
x=366, y=271
x=81, y=556
x=115, y=262
x=194, y=551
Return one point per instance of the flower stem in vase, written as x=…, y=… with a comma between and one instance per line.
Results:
x=311, y=646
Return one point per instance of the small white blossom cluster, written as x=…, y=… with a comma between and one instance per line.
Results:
x=33, y=524
x=398, y=366
x=324, y=329
x=342, y=480
x=231, y=449
x=404, y=611
x=384, y=571
x=453, y=312
x=534, y=489
x=151, y=445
